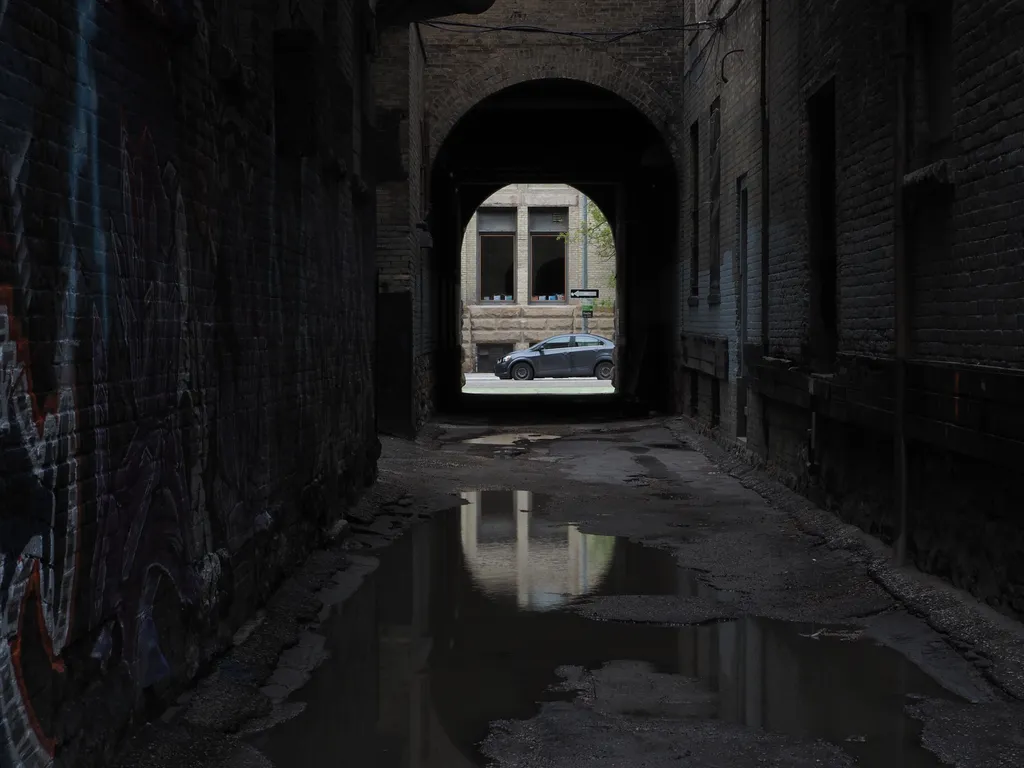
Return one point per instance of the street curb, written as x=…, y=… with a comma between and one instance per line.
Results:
x=993, y=642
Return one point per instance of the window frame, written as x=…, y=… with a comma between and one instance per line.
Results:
x=565, y=271
x=571, y=338
x=479, y=268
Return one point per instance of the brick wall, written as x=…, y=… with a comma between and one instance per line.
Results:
x=403, y=258
x=185, y=393
x=464, y=67
x=964, y=289
x=969, y=299
x=396, y=205
x=733, y=50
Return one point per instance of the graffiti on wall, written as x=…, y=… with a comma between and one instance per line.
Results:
x=160, y=406
x=40, y=521
x=143, y=513
x=146, y=506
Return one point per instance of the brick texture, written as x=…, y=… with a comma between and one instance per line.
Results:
x=963, y=246
x=644, y=69
x=403, y=261
x=185, y=360
x=731, y=50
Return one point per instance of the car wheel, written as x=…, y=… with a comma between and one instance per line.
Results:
x=604, y=371
x=522, y=372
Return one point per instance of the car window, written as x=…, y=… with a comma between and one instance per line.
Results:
x=558, y=342
x=588, y=341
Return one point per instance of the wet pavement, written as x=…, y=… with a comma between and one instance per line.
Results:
x=466, y=621
x=638, y=603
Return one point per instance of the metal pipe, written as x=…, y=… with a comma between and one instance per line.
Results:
x=586, y=242
x=765, y=185
x=901, y=324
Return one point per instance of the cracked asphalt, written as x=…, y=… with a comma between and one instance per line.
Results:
x=734, y=624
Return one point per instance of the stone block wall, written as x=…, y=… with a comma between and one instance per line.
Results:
x=185, y=339
x=523, y=327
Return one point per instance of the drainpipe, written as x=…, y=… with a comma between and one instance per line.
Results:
x=903, y=80
x=765, y=186
x=586, y=242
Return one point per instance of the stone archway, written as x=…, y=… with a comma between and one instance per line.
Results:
x=448, y=105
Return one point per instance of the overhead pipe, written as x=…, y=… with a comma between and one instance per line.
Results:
x=400, y=12
x=765, y=182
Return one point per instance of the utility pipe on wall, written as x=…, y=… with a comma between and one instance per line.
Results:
x=586, y=242
x=904, y=77
x=765, y=185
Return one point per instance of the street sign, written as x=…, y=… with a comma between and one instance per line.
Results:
x=588, y=313
x=584, y=293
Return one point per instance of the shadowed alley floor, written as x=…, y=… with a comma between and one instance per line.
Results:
x=605, y=595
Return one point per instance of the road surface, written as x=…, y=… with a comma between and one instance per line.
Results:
x=619, y=594
x=489, y=384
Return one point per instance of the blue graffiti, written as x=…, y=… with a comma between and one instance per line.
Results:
x=85, y=152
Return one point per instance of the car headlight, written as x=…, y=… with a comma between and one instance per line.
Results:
x=505, y=359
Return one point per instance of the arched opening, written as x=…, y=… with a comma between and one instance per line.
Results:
x=561, y=131
x=538, y=294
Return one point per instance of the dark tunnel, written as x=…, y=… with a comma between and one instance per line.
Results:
x=568, y=132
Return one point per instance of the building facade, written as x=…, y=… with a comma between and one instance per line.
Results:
x=848, y=259
x=852, y=317
x=524, y=250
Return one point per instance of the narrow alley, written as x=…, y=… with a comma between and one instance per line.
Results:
x=620, y=594
x=511, y=383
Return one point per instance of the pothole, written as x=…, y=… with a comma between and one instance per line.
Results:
x=509, y=438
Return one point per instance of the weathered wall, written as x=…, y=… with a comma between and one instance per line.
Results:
x=524, y=326
x=185, y=392
x=643, y=67
x=464, y=65
x=403, y=256
x=723, y=65
x=965, y=431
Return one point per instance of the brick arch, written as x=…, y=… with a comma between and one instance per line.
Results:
x=593, y=67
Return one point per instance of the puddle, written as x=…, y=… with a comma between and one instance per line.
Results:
x=462, y=625
x=509, y=438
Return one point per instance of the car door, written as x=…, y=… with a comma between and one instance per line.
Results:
x=585, y=350
x=554, y=357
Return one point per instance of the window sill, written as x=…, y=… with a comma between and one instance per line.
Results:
x=693, y=300
x=936, y=174
x=714, y=299
x=496, y=303
x=548, y=303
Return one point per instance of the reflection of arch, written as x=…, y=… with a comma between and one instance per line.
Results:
x=541, y=571
x=523, y=65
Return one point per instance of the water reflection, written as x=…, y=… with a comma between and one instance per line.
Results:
x=508, y=552
x=456, y=629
